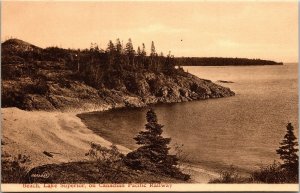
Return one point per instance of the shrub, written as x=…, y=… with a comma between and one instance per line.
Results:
x=40, y=87
x=13, y=169
x=104, y=155
x=271, y=174
x=108, y=161
x=12, y=60
x=230, y=175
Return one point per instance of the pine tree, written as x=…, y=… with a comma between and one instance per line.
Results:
x=154, y=154
x=111, y=50
x=152, y=140
x=119, y=60
x=143, y=57
x=152, y=56
x=143, y=50
x=130, y=52
x=288, y=151
x=139, y=52
x=110, y=47
x=153, y=52
x=119, y=47
x=129, y=48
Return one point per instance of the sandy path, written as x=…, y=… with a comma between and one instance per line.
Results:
x=32, y=132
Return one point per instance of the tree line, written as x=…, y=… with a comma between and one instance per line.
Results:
x=96, y=66
x=218, y=61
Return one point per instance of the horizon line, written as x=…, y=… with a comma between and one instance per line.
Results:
x=60, y=46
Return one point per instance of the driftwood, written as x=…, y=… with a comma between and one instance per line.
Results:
x=47, y=154
x=224, y=81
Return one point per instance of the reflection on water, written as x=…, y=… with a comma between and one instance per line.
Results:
x=243, y=130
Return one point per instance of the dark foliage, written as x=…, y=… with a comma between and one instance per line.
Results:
x=229, y=176
x=13, y=169
x=288, y=152
x=94, y=66
x=106, y=166
x=272, y=174
x=214, y=61
x=108, y=161
x=153, y=155
x=55, y=78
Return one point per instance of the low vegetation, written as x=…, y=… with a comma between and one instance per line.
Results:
x=109, y=162
x=13, y=169
x=273, y=173
x=230, y=176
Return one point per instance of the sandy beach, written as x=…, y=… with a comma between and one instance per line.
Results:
x=63, y=134
x=31, y=133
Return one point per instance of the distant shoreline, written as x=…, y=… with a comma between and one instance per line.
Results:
x=219, y=61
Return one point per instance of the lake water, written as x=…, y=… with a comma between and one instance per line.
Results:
x=243, y=130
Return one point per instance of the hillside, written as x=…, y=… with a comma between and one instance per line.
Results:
x=54, y=78
x=15, y=45
x=214, y=61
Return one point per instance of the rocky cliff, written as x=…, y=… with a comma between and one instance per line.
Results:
x=33, y=80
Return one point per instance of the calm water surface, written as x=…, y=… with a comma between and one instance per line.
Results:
x=243, y=130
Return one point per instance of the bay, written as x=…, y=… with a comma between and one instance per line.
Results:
x=243, y=130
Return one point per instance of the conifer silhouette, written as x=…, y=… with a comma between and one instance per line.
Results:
x=288, y=151
x=154, y=151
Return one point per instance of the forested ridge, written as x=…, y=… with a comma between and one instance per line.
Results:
x=55, y=78
x=219, y=61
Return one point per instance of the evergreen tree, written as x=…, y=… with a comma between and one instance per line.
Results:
x=152, y=57
x=152, y=139
x=139, y=52
x=153, y=52
x=169, y=64
x=111, y=50
x=110, y=47
x=130, y=52
x=143, y=57
x=154, y=151
x=139, y=57
x=129, y=48
x=119, y=47
x=143, y=50
x=94, y=47
x=119, y=61
x=288, y=151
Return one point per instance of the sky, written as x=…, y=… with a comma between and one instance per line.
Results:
x=251, y=29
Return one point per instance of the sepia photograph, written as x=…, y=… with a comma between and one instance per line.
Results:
x=149, y=96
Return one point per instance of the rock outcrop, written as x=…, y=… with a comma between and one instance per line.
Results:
x=33, y=84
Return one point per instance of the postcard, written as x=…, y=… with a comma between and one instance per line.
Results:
x=149, y=96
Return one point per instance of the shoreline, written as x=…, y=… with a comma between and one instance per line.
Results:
x=32, y=132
